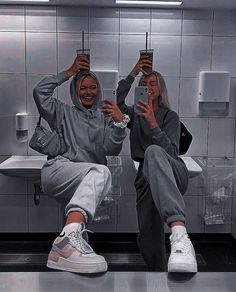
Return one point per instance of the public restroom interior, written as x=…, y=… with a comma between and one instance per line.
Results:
x=41, y=39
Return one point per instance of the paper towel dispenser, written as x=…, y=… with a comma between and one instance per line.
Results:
x=214, y=92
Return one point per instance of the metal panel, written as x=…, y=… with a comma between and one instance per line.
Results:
x=104, y=20
x=12, y=18
x=197, y=22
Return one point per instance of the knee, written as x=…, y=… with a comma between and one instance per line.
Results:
x=154, y=150
x=105, y=171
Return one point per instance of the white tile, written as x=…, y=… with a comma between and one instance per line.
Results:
x=12, y=52
x=188, y=106
x=40, y=18
x=166, y=21
x=223, y=54
x=12, y=94
x=198, y=127
x=9, y=144
x=195, y=55
x=104, y=52
x=172, y=84
x=68, y=43
x=129, y=52
x=12, y=18
x=41, y=57
x=221, y=137
x=72, y=19
x=32, y=81
x=103, y=20
x=197, y=22
x=166, y=54
x=224, y=23
x=17, y=205
x=135, y=21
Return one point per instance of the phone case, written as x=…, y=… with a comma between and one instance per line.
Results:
x=109, y=94
x=140, y=93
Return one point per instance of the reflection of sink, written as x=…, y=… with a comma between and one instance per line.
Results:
x=23, y=166
x=193, y=167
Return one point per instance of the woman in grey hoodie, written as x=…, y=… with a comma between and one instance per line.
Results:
x=162, y=176
x=91, y=130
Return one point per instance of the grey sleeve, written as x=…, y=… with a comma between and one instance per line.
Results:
x=113, y=139
x=168, y=137
x=42, y=93
x=123, y=89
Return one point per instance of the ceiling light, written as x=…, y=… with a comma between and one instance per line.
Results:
x=151, y=2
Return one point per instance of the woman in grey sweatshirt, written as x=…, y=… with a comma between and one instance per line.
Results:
x=162, y=177
x=91, y=130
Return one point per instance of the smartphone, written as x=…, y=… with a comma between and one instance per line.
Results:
x=140, y=93
x=109, y=94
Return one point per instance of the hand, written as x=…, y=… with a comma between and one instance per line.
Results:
x=111, y=109
x=80, y=62
x=142, y=62
x=147, y=113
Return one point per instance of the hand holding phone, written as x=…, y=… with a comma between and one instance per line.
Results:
x=140, y=93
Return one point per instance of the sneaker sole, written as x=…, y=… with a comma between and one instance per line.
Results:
x=83, y=268
x=182, y=268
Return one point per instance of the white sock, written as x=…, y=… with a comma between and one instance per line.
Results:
x=70, y=228
x=180, y=229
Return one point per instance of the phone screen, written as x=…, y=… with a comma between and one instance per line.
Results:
x=109, y=94
x=141, y=93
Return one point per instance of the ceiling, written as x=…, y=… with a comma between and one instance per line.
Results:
x=187, y=4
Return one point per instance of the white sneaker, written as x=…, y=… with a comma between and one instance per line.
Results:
x=72, y=253
x=182, y=257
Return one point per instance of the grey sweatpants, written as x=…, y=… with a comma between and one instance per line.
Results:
x=160, y=183
x=83, y=185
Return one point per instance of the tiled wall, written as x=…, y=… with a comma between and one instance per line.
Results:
x=36, y=41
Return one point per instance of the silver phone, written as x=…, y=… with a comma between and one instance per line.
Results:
x=140, y=93
x=109, y=94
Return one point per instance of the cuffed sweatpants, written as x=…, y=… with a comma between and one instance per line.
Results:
x=83, y=185
x=160, y=183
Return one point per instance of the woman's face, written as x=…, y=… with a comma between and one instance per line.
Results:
x=88, y=91
x=152, y=83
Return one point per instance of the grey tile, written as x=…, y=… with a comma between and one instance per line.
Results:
x=197, y=22
x=12, y=94
x=45, y=216
x=224, y=23
x=127, y=215
x=172, y=84
x=166, y=21
x=221, y=137
x=135, y=21
x=196, y=55
x=104, y=52
x=223, y=54
x=128, y=176
x=12, y=18
x=72, y=19
x=166, y=54
x=12, y=52
x=194, y=214
x=104, y=20
x=41, y=57
x=18, y=206
x=9, y=144
x=40, y=18
x=12, y=185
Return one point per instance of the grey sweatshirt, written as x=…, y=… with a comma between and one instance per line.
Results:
x=165, y=135
x=89, y=135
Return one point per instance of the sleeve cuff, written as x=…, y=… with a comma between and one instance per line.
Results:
x=155, y=131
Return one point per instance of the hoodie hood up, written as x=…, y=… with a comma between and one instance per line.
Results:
x=77, y=79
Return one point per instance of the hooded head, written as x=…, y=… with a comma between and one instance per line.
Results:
x=156, y=88
x=85, y=91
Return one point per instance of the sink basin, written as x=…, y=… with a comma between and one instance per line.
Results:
x=23, y=166
x=194, y=169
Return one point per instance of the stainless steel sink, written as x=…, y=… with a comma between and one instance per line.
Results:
x=23, y=166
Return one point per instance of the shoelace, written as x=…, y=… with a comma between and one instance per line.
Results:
x=179, y=243
x=80, y=241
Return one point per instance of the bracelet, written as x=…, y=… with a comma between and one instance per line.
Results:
x=124, y=123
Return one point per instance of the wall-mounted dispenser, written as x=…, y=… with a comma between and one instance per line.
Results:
x=22, y=127
x=214, y=90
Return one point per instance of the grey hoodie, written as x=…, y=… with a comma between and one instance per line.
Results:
x=89, y=135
